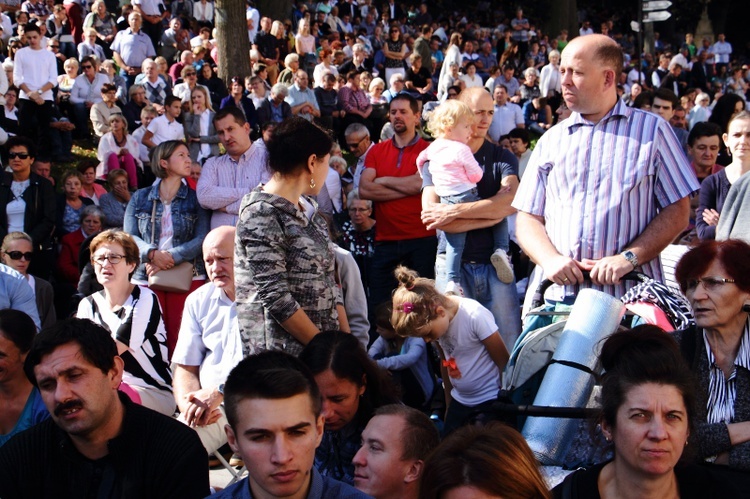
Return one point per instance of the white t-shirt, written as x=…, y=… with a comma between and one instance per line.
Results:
x=479, y=380
x=16, y=208
x=163, y=130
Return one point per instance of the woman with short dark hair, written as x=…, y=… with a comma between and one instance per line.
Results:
x=715, y=278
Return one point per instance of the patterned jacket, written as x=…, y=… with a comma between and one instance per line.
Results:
x=283, y=262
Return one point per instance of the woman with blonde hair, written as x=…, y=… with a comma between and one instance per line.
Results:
x=203, y=141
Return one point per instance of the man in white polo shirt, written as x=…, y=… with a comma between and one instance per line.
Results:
x=35, y=73
x=165, y=127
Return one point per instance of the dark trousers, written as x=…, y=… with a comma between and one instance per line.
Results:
x=417, y=254
x=33, y=120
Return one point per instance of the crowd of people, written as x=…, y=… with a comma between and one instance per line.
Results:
x=319, y=269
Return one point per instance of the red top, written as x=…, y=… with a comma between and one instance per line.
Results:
x=401, y=218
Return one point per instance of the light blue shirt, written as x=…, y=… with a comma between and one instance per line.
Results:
x=16, y=293
x=134, y=48
x=297, y=96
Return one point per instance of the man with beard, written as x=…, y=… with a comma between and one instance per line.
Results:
x=98, y=443
x=391, y=180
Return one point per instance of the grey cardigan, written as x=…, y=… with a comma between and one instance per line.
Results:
x=192, y=125
x=713, y=439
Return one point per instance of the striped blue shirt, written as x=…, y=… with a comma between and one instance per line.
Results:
x=599, y=185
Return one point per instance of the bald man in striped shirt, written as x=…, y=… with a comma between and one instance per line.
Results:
x=606, y=190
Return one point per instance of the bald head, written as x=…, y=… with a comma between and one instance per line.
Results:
x=602, y=49
x=589, y=67
x=218, y=254
x=481, y=103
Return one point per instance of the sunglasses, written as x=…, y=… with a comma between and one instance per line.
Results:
x=17, y=255
x=356, y=144
x=87, y=66
x=21, y=155
x=55, y=46
x=191, y=74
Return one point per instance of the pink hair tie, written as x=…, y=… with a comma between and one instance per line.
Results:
x=407, y=307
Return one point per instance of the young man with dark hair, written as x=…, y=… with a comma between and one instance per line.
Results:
x=273, y=406
x=35, y=74
x=664, y=104
x=97, y=442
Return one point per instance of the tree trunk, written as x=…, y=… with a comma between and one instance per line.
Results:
x=234, y=47
x=278, y=10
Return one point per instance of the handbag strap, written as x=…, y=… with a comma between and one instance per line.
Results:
x=153, y=221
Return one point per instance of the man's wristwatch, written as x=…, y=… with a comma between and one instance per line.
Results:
x=630, y=257
x=220, y=389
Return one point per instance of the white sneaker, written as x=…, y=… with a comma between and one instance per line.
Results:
x=502, y=265
x=453, y=288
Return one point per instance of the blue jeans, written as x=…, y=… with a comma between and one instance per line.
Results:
x=456, y=241
x=479, y=282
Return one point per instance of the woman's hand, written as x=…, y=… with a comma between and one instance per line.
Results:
x=710, y=216
x=162, y=260
x=122, y=192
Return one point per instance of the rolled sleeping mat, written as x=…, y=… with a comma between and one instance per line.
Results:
x=569, y=381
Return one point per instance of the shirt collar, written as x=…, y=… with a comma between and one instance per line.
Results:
x=411, y=143
x=620, y=110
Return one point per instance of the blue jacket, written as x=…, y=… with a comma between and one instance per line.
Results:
x=190, y=222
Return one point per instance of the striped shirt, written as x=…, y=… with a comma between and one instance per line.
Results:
x=224, y=182
x=722, y=391
x=599, y=185
x=138, y=325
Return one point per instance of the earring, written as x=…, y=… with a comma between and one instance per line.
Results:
x=312, y=183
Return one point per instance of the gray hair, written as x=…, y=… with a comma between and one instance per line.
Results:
x=354, y=196
x=553, y=53
x=89, y=210
x=356, y=128
x=279, y=89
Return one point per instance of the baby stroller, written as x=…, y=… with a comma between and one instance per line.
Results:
x=534, y=352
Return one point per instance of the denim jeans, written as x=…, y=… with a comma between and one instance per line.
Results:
x=479, y=282
x=456, y=241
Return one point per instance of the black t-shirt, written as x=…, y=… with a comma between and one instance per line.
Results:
x=418, y=79
x=496, y=163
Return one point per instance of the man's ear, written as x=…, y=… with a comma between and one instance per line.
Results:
x=415, y=471
x=319, y=428
x=231, y=438
x=610, y=79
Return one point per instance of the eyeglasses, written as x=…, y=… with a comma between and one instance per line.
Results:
x=17, y=255
x=103, y=259
x=20, y=155
x=709, y=283
x=87, y=66
x=359, y=210
x=55, y=46
x=190, y=74
x=355, y=145
x=395, y=31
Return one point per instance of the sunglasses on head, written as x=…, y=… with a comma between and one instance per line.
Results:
x=21, y=155
x=17, y=255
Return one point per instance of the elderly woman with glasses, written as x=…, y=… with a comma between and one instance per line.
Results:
x=715, y=278
x=358, y=233
x=133, y=317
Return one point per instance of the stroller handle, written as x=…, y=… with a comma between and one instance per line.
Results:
x=538, y=298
